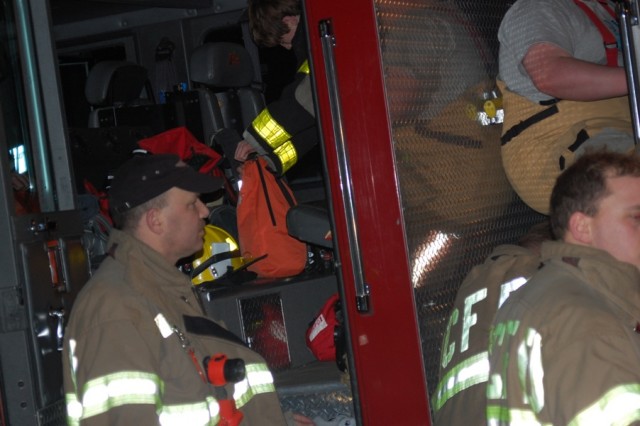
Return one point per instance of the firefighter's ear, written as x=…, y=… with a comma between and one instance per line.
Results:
x=579, y=229
x=153, y=220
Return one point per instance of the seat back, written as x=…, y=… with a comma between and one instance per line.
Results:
x=115, y=84
x=223, y=73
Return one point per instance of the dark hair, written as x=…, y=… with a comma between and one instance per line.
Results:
x=128, y=220
x=265, y=19
x=581, y=187
x=535, y=236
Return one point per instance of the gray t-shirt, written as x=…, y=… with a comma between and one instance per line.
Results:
x=559, y=22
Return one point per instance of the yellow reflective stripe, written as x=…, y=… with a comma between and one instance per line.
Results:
x=270, y=130
x=498, y=416
x=117, y=389
x=467, y=373
x=304, y=68
x=134, y=387
x=287, y=155
x=258, y=380
x=73, y=361
x=619, y=406
x=530, y=369
x=201, y=413
x=74, y=409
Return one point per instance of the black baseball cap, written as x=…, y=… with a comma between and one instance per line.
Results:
x=144, y=177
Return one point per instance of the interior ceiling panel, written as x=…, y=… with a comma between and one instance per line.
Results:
x=67, y=11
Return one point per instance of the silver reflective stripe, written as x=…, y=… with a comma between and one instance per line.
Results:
x=163, y=326
x=259, y=380
x=470, y=319
x=134, y=387
x=530, y=369
x=619, y=406
x=501, y=416
x=510, y=286
x=117, y=389
x=467, y=373
x=201, y=413
x=74, y=409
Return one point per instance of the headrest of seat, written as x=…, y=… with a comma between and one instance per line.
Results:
x=221, y=65
x=115, y=83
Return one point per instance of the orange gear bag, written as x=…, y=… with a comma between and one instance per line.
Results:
x=262, y=228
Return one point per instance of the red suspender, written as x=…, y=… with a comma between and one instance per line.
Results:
x=610, y=43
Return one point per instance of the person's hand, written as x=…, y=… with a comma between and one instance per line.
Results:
x=302, y=420
x=243, y=150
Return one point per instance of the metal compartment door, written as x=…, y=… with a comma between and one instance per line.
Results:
x=54, y=266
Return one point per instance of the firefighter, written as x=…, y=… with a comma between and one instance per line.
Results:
x=565, y=349
x=285, y=130
x=137, y=348
x=464, y=365
x=564, y=90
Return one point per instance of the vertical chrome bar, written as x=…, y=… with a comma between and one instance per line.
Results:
x=344, y=167
x=33, y=98
x=627, y=13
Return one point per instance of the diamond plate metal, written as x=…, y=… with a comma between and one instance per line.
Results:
x=317, y=389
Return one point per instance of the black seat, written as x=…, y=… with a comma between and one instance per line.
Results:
x=223, y=74
x=115, y=84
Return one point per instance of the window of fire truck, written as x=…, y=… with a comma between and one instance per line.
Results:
x=18, y=159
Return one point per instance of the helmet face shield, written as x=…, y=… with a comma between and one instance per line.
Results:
x=219, y=243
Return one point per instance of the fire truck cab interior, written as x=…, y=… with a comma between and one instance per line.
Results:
x=407, y=177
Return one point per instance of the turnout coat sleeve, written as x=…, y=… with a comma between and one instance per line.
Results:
x=286, y=129
x=564, y=348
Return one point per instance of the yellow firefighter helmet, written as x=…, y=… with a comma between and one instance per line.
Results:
x=218, y=243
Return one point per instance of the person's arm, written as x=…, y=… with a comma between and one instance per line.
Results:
x=113, y=356
x=555, y=72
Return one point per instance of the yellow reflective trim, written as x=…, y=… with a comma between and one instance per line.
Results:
x=133, y=388
x=258, y=380
x=270, y=130
x=530, y=369
x=498, y=416
x=117, y=389
x=304, y=68
x=200, y=413
x=287, y=155
x=74, y=409
x=619, y=406
x=471, y=371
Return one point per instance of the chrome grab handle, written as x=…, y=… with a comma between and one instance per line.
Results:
x=627, y=11
x=344, y=167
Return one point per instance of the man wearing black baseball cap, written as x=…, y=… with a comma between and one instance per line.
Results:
x=137, y=347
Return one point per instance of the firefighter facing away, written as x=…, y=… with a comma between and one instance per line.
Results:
x=285, y=130
x=464, y=362
x=138, y=349
x=565, y=348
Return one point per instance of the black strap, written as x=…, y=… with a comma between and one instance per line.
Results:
x=266, y=193
x=548, y=102
x=581, y=138
x=215, y=258
x=525, y=124
x=282, y=187
x=285, y=192
x=205, y=327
